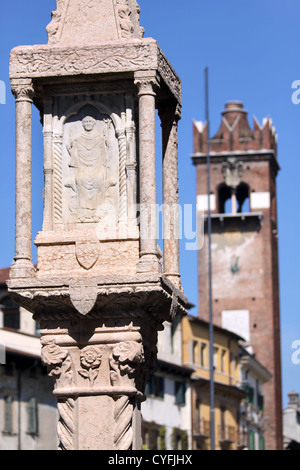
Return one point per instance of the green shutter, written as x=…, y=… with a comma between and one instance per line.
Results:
x=251, y=440
x=261, y=443
x=260, y=403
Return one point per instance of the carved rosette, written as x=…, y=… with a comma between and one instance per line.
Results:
x=90, y=359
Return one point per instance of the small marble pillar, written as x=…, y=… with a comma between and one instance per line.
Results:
x=146, y=84
x=170, y=115
x=23, y=92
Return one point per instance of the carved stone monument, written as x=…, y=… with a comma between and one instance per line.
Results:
x=101, y=289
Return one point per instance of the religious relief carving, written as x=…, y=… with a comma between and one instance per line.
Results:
x=125, y=362
x=232, y=171
x=126, y=24
x=53, y=27
x=90, y=359
x=89, y=157
x=128, y=13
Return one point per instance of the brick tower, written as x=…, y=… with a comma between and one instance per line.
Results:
x=244, y=242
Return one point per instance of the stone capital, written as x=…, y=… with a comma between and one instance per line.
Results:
x=22, y=90
x=170, y=114
x=146, y=83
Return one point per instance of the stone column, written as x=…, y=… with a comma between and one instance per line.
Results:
x=170, y=116
x=147, y=166
x=23, y=92
x=48, y=165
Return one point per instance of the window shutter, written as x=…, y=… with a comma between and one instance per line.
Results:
x=8, y=402
x=251, y=440
x=32, y=416
x=180, y=393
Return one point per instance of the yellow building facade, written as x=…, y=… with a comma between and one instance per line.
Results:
x=228, y=395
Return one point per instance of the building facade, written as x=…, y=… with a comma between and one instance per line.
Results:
x=245, y=283
x=167, y=411
x=253, y=376
x=291, y=422
x=28, y=415
x=228, y=395
x=238, y=396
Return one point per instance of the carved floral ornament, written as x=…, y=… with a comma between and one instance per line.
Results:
x=53, y=356
x=90, y=359
x=125, y=359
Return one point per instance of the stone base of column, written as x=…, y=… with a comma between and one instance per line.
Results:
x=149, y=263
x=174, y=278
x=22, y=269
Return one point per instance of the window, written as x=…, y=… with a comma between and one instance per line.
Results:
x=243, y=199
x=195, y=344
x=250, y=394
x=260, y=402
x=180, y=393
x=202, y=354
x=155, y=387
x=223, y=356
x=216, y=350
x=224, y=199
x=229, y=199
x=11, y=314
x=8, y=412
x=32, y=416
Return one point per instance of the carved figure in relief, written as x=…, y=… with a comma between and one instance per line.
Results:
x=88, y=155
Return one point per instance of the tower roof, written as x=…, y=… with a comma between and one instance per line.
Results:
x=235, y=133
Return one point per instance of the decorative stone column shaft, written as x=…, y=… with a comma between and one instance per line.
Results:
x=48, y=165
x=147, y=165
x=170, y=116
x=23, y=92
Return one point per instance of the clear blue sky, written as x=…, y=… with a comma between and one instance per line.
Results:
x=251, y=49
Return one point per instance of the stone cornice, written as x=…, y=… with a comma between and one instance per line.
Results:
x=42, y=62
x=250, y=155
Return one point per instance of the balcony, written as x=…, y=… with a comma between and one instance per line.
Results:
x=227, y=434
x=202, y=429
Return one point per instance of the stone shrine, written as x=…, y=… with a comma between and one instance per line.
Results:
x=101, y=288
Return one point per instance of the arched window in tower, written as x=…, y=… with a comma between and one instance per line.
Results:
x=243, y=198
x=231, y=201
x=224, y=199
